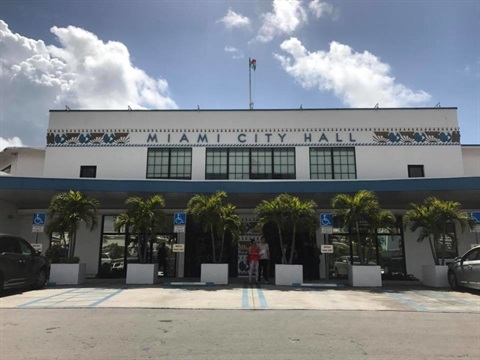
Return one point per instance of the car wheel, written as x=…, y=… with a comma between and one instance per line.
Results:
x=1, y=283
x=41, y=279
x=452, y=280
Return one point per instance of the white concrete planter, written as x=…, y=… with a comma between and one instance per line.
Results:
x=288, y=274
x=214, y=273
x=67, y=274
x=141, y=274
x=365, y=275
x=435, y=275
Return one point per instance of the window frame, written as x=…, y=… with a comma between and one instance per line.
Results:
x=87, y=168
x=329, y=154
x=170, y=165
x=270, y=154
x=416, y=167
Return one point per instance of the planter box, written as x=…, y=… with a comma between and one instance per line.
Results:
x=435, y=275
x=214, y=273
x=141, y=274
x=67, y=274
x=365, y=275
x=288, y=274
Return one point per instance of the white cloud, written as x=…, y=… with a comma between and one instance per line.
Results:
x=83, y=72
x=359, y=79
x=320, y=8
x=233, y=20
x=13, y=142
x=287, y=16
x=236, y=53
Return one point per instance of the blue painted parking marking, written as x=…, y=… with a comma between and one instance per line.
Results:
x=245, y=298
x=448, y=296
x=44, y=298
x=407, y=301
x=106, y=298
x=261, y=297
x=73, y=298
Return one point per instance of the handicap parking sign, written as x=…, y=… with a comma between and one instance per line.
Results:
x=39, y=219
x=475, y=216
x=179, y=218
x=326, y=220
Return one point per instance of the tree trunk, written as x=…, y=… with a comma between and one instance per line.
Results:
x=71, y=246
x=443, y=248
x=213, y=245
x=290, y=261
x=284, y=259
x=432, y=249
x=357, y=228
x=221, y=248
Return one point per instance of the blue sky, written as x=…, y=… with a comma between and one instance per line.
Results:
x=184, y=54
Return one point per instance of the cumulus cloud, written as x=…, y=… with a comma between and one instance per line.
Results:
x=236, y=53
x=286, y=17
x=13, y=142
x=233, y=20
x=83, y=72
x=359, y=79
x=320, y=8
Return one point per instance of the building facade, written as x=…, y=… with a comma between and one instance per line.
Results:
x=404, y=155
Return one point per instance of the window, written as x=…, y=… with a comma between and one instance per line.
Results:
x=169, y=163
x=7, y=169
x=415, y=171
x=332, y=163
x=251, y=163
x=26, y=249
x=88, y=171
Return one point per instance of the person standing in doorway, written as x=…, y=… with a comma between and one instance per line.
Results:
x=162, y=258
x=264, y=260
x=253, y=257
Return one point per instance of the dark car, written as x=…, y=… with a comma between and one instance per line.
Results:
x=465, y=270
x=20, y=264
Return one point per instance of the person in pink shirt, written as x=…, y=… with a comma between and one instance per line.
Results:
x=253, y=258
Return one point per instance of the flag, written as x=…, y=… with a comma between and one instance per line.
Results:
x=252, y=63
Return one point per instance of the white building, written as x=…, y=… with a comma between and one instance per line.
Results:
x=404, y=155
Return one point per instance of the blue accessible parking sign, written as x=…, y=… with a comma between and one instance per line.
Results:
x=39, y=219
x=179, y=218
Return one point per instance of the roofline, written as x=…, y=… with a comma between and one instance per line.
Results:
x=250, y=110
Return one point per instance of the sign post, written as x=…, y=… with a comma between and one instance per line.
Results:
x=326, y=224
x=38, y=224
x=179, y=222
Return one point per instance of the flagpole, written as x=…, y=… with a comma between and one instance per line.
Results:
x=250, y=105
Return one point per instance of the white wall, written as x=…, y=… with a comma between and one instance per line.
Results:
x=299, y=129
x=23, y=161
x=381, y=162
x=112, y=163
x=8, y=218
x=471, y=160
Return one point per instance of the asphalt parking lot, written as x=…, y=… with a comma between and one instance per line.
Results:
x=245, y=297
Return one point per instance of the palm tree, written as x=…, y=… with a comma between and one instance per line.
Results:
x=67, y=211
x=143, y=218
x=287, y=210
x=207, y=210
x=361, y=213
x=273, y=211
x=432, y=218
x=229, y=223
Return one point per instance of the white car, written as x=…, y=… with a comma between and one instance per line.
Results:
x=465, y=270
x=341, y=265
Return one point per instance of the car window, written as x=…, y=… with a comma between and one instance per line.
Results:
x=25, y=248
x=9, y=245
x=472, y=255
